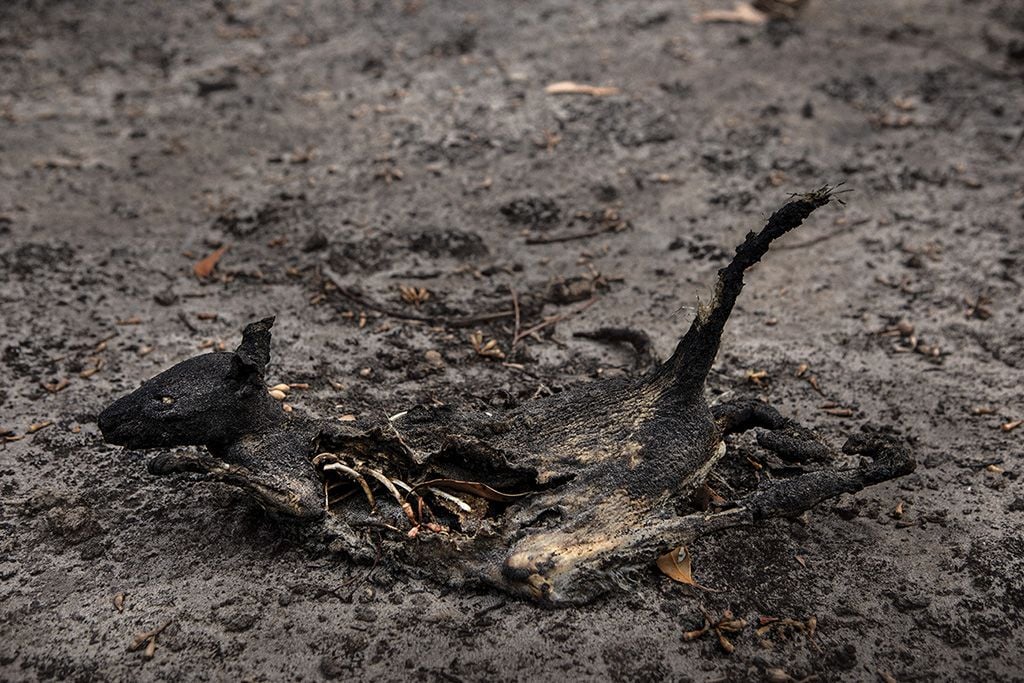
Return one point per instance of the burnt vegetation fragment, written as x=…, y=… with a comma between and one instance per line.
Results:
x=556, y=500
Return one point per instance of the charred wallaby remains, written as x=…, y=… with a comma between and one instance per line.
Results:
x=550, y=500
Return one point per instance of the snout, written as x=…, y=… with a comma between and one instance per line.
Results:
x=123, y=424
x=116, y=424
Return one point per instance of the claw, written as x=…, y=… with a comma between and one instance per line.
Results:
x=354, y=476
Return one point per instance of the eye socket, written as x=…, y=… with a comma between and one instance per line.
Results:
x=167, y=400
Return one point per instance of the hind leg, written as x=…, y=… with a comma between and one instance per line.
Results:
x=785, y=437
x=888, y=456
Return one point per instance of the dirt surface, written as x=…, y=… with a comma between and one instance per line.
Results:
x=412, y=143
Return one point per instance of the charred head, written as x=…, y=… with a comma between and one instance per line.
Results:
x=212, y=399
x=220, y=400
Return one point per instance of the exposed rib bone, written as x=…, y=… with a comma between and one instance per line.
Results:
x=406, y=508
x=423, y=509
x=402, y=485
x=462, y=505
x=321, y=458
x=356, y=477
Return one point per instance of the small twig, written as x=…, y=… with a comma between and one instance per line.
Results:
x=366, y=302
x=183, y=317
x=555, y=239
x=551, y=320
x=515, y=308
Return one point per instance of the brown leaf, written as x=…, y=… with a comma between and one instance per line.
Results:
x=677, y=565
x=413, y=295
x=571, y=88
x=57, y=386
x=776, y=675
x=725, y=642
x=488, y=348
x=694, y=635
x=731, y=625
x=36, y=426
x=741, y=13
x=204, y=268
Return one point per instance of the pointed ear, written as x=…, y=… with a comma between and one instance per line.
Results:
x=253, y=353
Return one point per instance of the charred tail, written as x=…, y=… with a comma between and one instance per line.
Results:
x=694, y=355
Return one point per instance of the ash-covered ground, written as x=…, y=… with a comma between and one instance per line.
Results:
x=412, y=144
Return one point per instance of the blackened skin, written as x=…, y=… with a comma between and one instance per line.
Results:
x=583, y=484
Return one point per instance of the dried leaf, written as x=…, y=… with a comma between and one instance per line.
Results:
x=414, y=295
x=677, y=565
x=35, y=427
x=204, y=268
x=731, y=625
x=741, y=13
x=839, y=412
x=57, y=386
x=489, y=348
x=694, y=635
x=756, y=376
x=571, y=88
x=148, y=638
x=776, y=675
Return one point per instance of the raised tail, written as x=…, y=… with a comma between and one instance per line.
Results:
x=694, y=355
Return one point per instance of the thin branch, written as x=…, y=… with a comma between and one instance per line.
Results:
x=364, y=301
x=551, y=320
x=555, y=239
x=515, y=308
